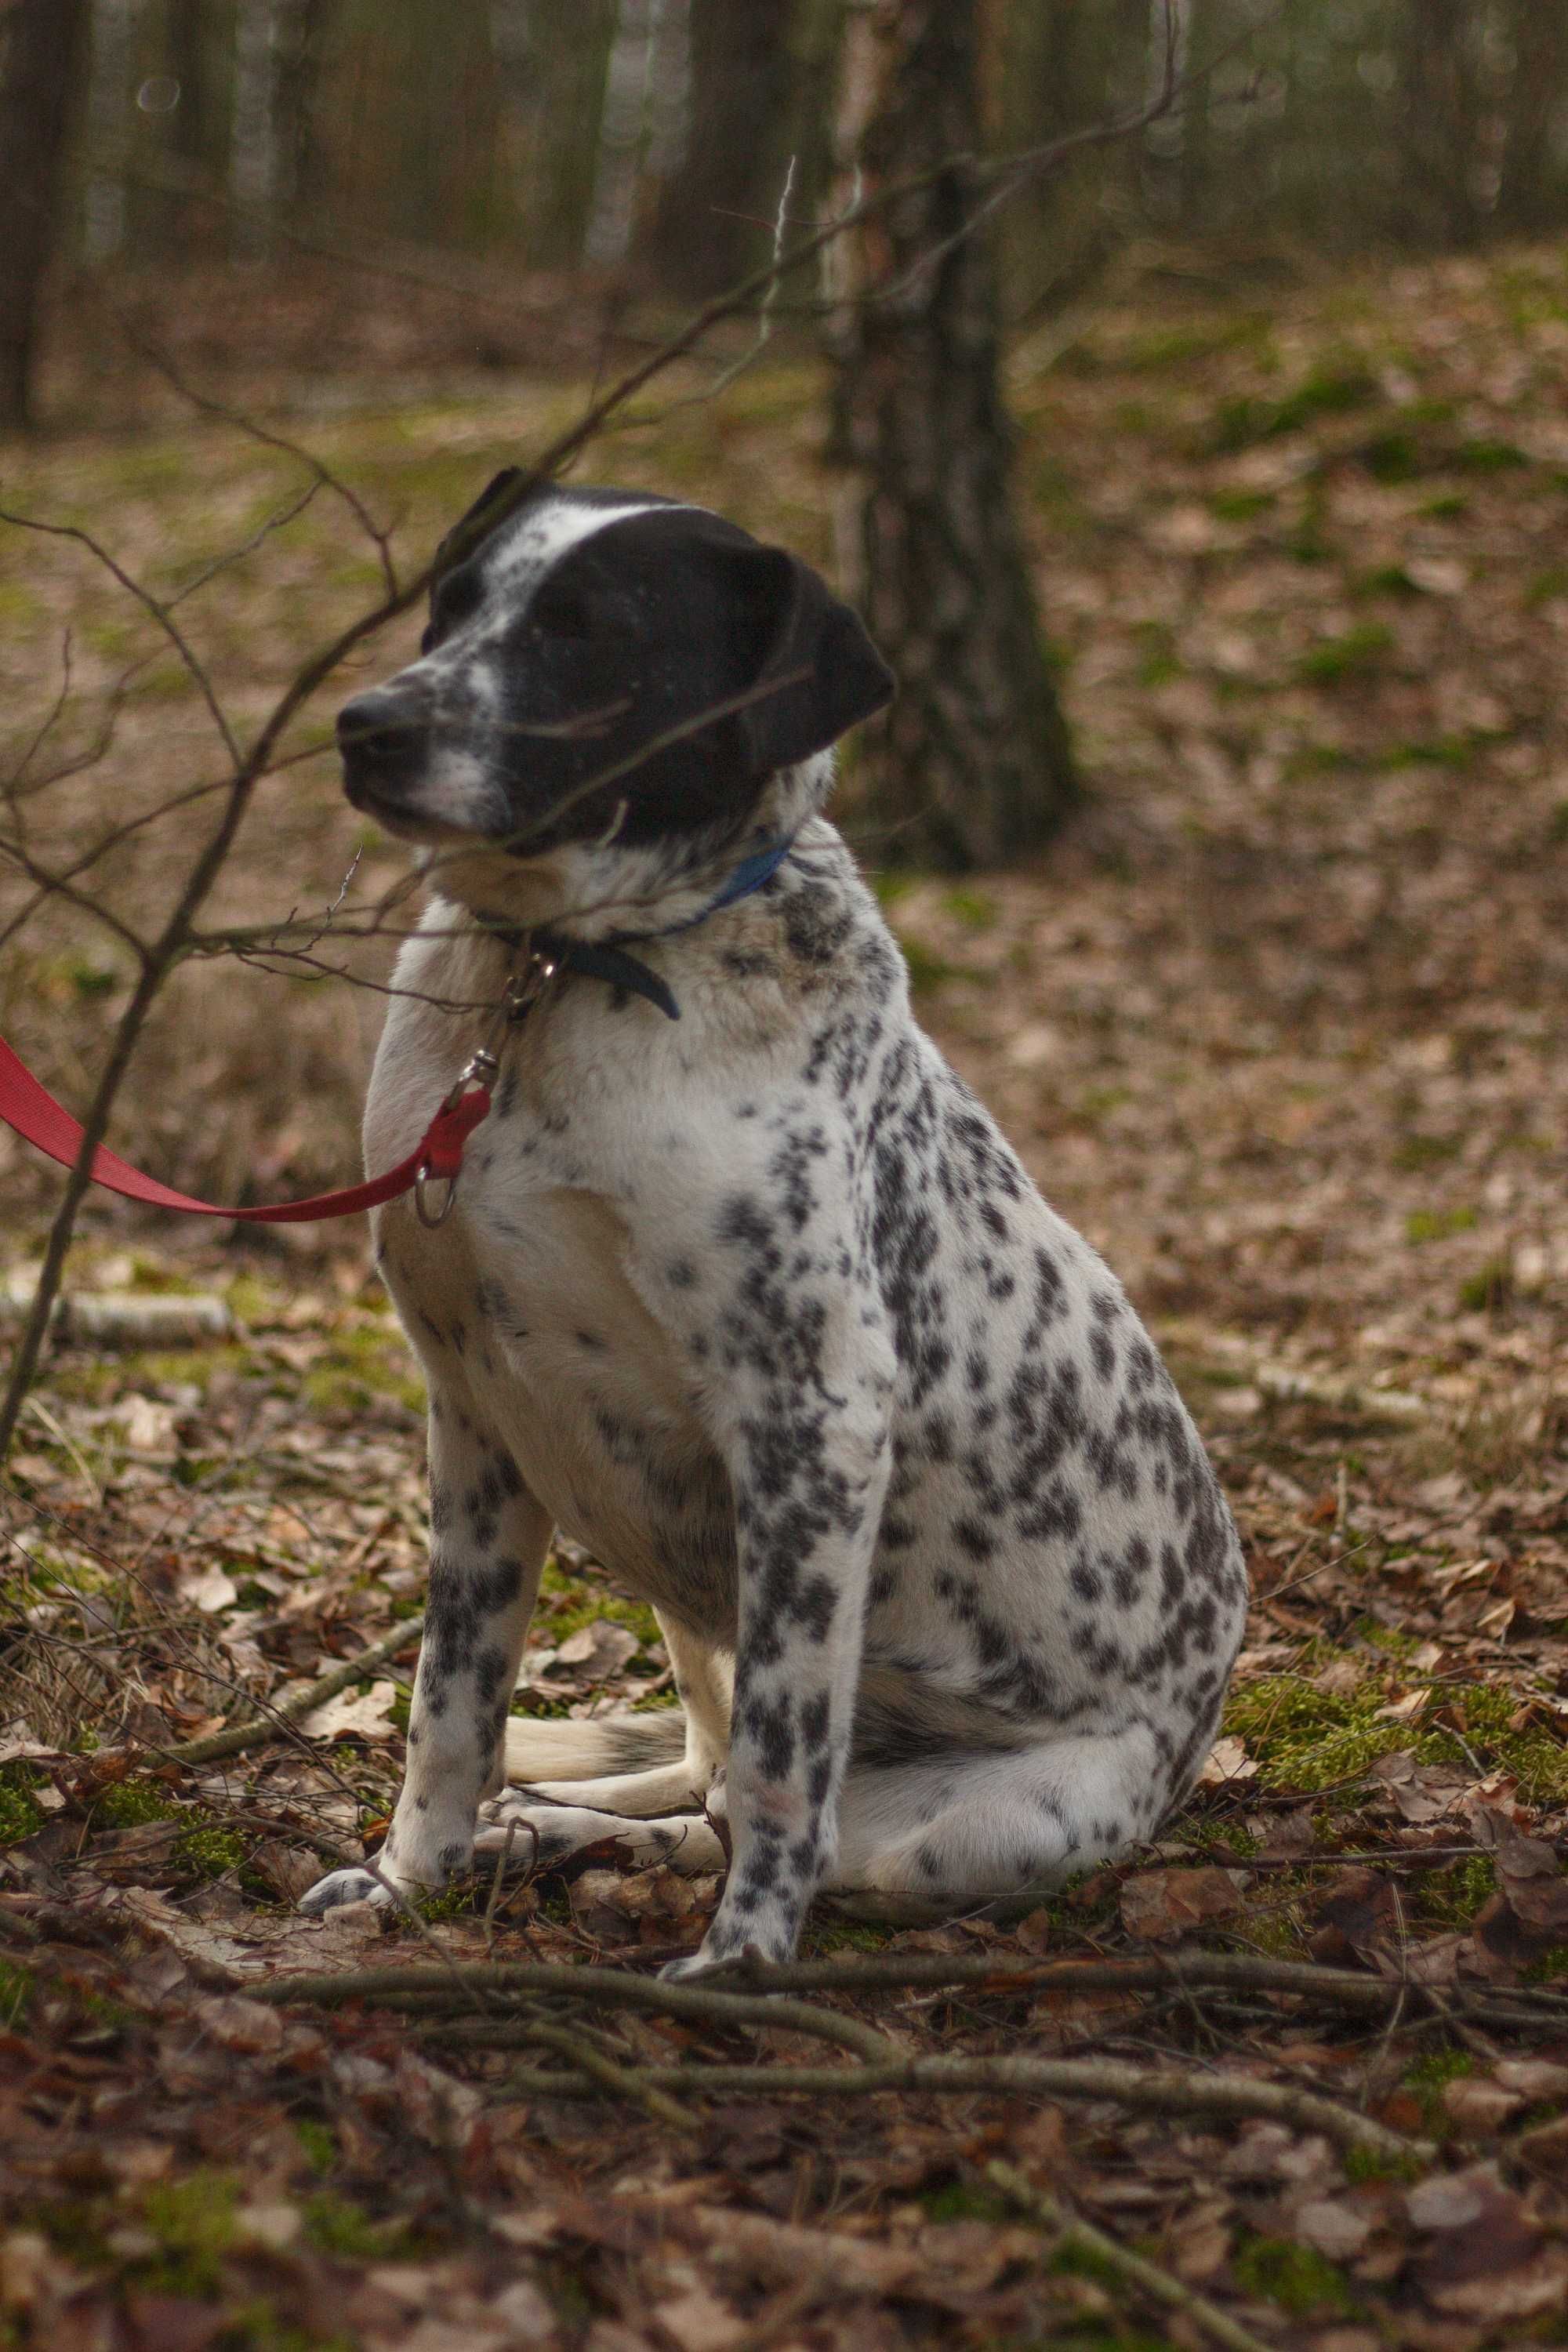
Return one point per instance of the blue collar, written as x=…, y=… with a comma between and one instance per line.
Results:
x=607, y=959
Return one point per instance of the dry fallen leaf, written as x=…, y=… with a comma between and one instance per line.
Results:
x=208, y=1589
x=1162, y=1905
x=367, y=1715
x=1227, y=1763
x=599, y=1650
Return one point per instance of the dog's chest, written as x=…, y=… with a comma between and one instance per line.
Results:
x=524, y=1314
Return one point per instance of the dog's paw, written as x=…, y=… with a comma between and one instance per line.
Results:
x=707, y=1962
x=341, y=1886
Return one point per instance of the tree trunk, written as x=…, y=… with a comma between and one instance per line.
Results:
x=973, y=766
x=42, y=47
x=712, y=221
x=1440, y=113
x=1530, y=196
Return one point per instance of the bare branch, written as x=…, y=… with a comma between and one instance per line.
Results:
x=154, y=606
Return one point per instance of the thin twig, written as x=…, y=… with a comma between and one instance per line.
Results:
x=1069, y=2230
x=625, y=2082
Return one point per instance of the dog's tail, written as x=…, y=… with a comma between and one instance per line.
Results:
x=549, y=1747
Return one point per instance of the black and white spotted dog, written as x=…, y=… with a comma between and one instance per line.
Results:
x=756, y=1303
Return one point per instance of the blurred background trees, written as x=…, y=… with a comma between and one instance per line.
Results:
x=281, y=184
x=651, y=135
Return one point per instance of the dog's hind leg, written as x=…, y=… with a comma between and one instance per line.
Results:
x=967, y=1824
x=639, y=1765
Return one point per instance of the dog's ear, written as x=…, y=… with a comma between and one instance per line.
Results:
x=814, y=672
x=462, y=539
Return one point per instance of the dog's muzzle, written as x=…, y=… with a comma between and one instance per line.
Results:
x=385, y=739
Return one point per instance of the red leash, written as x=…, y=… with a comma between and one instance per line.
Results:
x=39, y=1120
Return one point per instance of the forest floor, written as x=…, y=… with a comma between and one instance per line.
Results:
x=1280, y=1024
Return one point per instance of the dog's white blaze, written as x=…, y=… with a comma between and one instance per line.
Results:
x=521, y=552
x=515, y=562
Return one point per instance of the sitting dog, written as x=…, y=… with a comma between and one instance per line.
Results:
x=741, y=1285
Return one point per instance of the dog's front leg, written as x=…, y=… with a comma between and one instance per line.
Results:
x=809, y=1475
x=487, y=1541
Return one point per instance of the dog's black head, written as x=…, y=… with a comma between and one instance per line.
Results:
x=606, y=664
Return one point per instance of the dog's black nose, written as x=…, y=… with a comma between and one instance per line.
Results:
x=385, y=739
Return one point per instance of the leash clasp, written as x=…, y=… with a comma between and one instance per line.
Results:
x=522, y=991
x=479, y=1070
x=423, y=1179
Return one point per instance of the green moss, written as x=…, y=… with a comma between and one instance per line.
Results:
x=847, y=1936
x=1456, y=751
x=446, y=1903
x=206, y=1851
x=568, y=1602
x=1387, y=580
x=1485, y=455
x=250, y=1301
x=1547, y=585
x=1490, y=1289
x=319, y=2142
x=1177, y=346
x=1451, y=1898
x=1295, y=2277
x=193, y=2223
x=1418, y=1151
x=1438, y=1224
x=1239, y=505
x=20, y=1815
x=1427, y=2080
x=335, y=2225
x=1393, y=456
x=1307, y=1739
x=16, y=1992
x=928, y=971
x=1352, y=653
x=127, y=1804
x=1329, y=390
x=975, y=908
x=356, y=1368
x=965, y=2200
x=1372, y=2164
x=98, y=1380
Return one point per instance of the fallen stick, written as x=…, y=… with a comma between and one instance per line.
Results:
x=428, y=1989
x=1069, y=2230
x=237, y=1737
x=1165, y=2091
x=129, y=1319
x=750, y=1993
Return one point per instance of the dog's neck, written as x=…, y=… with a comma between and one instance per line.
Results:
x=609, y=960
x=607, y=891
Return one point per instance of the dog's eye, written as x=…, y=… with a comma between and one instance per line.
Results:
x=557, y=612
